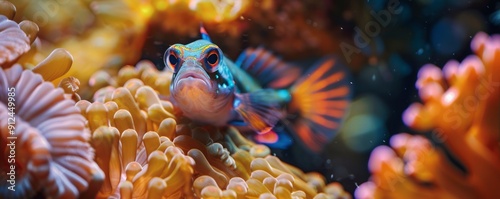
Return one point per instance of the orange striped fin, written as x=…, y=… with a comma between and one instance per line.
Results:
x=321, y=98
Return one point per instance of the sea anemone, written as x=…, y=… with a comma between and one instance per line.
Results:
x=214, y=162
x=50, y=148
x=122, y=121
x=43, y=135
x=144, y=73
x=461, y=106
x=14, y=41
x=18, y=44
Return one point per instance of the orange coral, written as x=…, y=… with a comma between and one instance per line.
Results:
x=461, y=104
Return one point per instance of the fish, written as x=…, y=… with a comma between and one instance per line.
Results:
x=258, y=91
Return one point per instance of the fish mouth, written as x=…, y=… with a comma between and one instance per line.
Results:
x=194, y=75
x=193, y=78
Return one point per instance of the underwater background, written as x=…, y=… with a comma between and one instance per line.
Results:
x=419, y=123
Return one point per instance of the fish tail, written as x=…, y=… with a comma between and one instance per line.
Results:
x=320, y=99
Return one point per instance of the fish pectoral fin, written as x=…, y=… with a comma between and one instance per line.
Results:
x=259, y=111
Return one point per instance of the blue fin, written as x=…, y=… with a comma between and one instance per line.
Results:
x=260, y=110
x=321, y=98
x=270, y=71
x=204, y=33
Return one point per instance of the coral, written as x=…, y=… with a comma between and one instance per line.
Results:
x=52, y=154
x=460, y=106
x=14, y=41
x=132, y=137
x=42, y=133
x=105, y=34
x=16, y=47
x=214, y=162
x=144, y=73
x=16, y=38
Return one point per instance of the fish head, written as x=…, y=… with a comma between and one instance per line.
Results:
x=201, y=80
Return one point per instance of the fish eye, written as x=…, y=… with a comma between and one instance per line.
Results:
x=171, y=59
x=212, y=60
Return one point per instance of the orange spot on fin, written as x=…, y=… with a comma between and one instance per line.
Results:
x=267, y=138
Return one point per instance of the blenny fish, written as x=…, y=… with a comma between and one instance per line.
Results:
x=258, y=91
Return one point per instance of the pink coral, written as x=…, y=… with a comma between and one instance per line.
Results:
x=52, y=154
x=13, y=41
x=460, y=107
